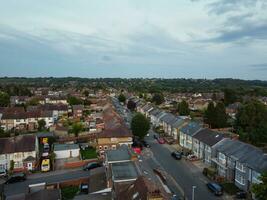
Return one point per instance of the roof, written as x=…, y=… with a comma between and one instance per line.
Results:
x=168, y=118
x=119, y=131
x=244, y=153
x=178, y=122
x=21, y=143
x=45, y=134
x=124, y=171
x=155, y=111
x=191, y=128
x=77, y=107
x=120, y=154
x=62, y=147
x=143, y=188
x=208, y=136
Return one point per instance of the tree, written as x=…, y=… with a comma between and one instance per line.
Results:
x=12, y=164
x=33, y=102
x=251, y=123
x=220, y=116
x=86, y=93
x=122, y=98
x=158, y=98
x=41, y=124
x=141, y=95
x=260, y=190
x=77, y=128
x=4, y=99
x=131, y=105
x=140, y=125
x=74, y=100
x=216, y=116
x=230, y=96
x=183, y=108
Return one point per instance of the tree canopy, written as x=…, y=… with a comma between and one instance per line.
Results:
x=131, y=105
x=216, y=116
x=251, y=122
x=77, y=128
x=183, y=108
x=158, y=98
x=41, y=124
x=74, y=100
x=140, y=125
x=4, y=99
x=122, y=98
x=260, y=190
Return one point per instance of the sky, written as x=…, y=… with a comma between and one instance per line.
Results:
x=134, y=38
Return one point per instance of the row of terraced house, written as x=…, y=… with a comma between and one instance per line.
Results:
x=233, y=160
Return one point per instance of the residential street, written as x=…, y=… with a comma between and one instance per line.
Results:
x=184, y=172
x=21, y=187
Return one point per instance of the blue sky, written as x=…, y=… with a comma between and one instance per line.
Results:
x=134, y=38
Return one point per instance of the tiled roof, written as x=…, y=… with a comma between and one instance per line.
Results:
x=208, y=136
x=119, y=131
x=22, y=143
x=191, y=128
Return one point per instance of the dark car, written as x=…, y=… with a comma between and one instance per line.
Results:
x=215, y=188
x=177, y=155
x=19, y=177
x=91, y=165
x=84, y=188
x=241, y=195
x=145, y=144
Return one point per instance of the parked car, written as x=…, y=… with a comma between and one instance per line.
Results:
x=91, y=165
x=177, y=155
x=241, y=195
x=215, y=188
x=19, y=177
x=161, y=141
x=145, y=144
x=3, y=173
x=192, y=157
x=84, y=188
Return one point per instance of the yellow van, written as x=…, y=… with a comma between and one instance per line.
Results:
x=45, y=166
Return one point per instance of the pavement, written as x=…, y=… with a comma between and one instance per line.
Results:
x=48, y=178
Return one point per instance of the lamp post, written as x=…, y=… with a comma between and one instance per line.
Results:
x=193, y=192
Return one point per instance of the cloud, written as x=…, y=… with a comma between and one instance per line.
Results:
x=260, y=67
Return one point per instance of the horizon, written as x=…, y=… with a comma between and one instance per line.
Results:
x=199, y=39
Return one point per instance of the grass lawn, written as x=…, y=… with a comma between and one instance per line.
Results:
x=88, y=153
x=230, y=188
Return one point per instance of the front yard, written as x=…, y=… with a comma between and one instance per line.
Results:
x=88, y=153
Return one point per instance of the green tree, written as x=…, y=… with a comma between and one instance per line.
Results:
x=131, y=105
x=4, y=99
x=74, y=100
x=158, y=98
x=260, y=190
x=251, y=122
x=140, y=125
x=86, y=93
x=183, y=108
x=220, y=116
x=41, y=124
x=230, y=96
x=12, y=164
x=122, y=98
x=33, y=102
x=77, y=128
x=209, y=115
x=141, y=95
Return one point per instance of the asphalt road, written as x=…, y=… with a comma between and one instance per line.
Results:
x=22, y=187
x=183, y=172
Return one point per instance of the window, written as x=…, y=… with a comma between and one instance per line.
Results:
x=105, y=147
x=100, y=147
x=240, y=179
x=222, y=158
x=240, y=167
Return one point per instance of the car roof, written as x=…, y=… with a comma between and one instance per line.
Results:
x=216, y=186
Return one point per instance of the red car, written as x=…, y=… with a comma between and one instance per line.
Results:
x=161, y=141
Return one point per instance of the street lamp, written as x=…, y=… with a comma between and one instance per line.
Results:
x=193, y=192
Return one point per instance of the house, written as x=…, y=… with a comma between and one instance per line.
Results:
x=239, y=162
x=204, y=142
x=66, y=150
x=154, y=116
x=176, y=127
x=167, y=121
x=146, y=109
x=121, y=169
x=23, y=150
x=143, y=189
x=113, y=138
x=77, y=111
x=186, y=135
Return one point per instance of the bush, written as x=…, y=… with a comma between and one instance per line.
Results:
x=69, y=192
x=230, y=188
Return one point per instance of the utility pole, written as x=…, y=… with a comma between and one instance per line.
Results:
x=193, y=192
